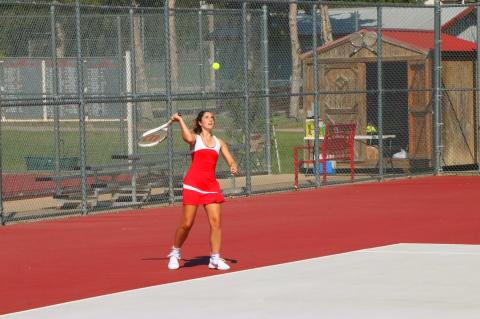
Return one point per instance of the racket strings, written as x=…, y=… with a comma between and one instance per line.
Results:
x=155, y=136
x=152, y=139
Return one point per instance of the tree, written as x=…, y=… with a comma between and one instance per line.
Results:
x=295, y=80
x=326, y=30
x=173, y=45
x=141, y=74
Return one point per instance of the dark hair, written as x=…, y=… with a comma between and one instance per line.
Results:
x=197, y=129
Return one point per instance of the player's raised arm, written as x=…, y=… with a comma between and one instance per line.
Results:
x=228, y=157
x=187, y=135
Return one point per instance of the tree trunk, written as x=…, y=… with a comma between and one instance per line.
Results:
x=296, y=78
x=173, y=45
x=60, y=40
x=326, y=26
x=140, y=68
x=211, y=46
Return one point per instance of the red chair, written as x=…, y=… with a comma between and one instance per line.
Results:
x=338, y=144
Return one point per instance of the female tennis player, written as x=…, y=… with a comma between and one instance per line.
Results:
x=200, y=186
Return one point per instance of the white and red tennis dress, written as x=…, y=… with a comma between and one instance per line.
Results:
x=199, y=185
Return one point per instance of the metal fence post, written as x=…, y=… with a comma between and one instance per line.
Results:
x=477, y=84
x=381, y=162
x=168, y=93
x=246, y=96
x=133, y=112
x=437, y=94
x=142, y=30
x=266, y=80
x=316, y=111
x=81, y=115
x=201, y=66
x=121, y=80
x=133, y=67
x=56, y=111
x=2, y=219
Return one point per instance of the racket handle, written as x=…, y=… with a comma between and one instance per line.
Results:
x=178, y=113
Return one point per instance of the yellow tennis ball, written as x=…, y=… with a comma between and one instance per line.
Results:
x=215, y=66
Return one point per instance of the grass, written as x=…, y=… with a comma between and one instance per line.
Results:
x=283, y=122
x=286, y=142
x=104, y=139
x=16, y=145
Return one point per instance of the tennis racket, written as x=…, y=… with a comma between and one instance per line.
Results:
x=155, y=136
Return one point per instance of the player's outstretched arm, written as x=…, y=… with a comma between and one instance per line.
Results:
x=187, y=136
x=228, y=157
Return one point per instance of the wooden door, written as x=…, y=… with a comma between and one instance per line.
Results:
x=339, y=107
x=458, y=113
x=420, y=111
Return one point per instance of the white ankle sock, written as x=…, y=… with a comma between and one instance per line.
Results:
x=176, y=250
x=215, y=256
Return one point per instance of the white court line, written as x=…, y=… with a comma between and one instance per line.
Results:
x=441, y=249
x=421, y=253
x=181, y=282
x=359, y=284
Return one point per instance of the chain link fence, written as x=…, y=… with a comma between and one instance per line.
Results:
x=79, y=84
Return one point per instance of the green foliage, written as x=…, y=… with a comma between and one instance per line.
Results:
x=391, y=1
x=137, y=3
x=236, y=107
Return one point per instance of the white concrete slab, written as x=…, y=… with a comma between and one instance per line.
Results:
x=399, y=281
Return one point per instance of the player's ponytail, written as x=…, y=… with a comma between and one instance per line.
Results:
x=197, y=129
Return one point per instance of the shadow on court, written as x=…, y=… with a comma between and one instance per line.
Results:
x=193, y=262
x=203, y=261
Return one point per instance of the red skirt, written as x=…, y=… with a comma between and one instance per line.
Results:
x=191, y=197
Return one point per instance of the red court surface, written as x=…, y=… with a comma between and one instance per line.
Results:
x=50, y=262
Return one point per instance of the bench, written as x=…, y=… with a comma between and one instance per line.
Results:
x=46, y=163
x=129, y=181
x=150, y=170
x=74, y=200
x=70, y=195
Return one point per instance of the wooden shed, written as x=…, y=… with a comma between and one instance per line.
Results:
x=349, y=64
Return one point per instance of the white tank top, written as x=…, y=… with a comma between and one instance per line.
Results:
x=199, y=145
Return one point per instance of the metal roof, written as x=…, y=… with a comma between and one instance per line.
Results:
x=424, y=40
x=421, y=41
x=348, y=20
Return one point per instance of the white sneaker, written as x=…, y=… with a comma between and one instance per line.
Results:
x=218, y=263
x=173, y=262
